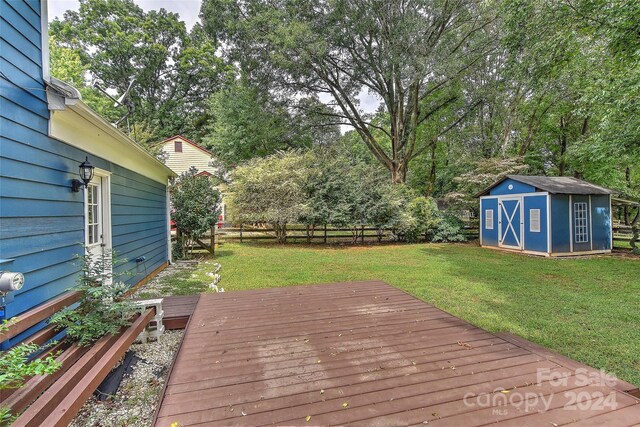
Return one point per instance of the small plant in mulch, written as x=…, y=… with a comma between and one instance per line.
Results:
x=103, y=309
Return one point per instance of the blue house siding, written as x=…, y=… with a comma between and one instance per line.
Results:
x=535, y=241
x=489, y=236
x=139, y=223
x=601, y=214
x=517, y=188
x=41, y=219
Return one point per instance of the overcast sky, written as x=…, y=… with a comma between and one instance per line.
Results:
x=188, y=11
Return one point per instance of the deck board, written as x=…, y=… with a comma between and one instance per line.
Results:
x=366, y=353
x=178, y=310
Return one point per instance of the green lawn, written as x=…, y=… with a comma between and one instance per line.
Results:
x=584, y=308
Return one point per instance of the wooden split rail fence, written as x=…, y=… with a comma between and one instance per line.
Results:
x=328, y=234
x=323, y=234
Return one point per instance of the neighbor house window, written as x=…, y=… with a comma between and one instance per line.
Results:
x=488, y=219
x=534, y=220
x=177, y=146
x=580, y=222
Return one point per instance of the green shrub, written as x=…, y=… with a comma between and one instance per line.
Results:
x=450, y=229
x=16, y=365
x=420, y=220
x=195, y=202
x=103, y=308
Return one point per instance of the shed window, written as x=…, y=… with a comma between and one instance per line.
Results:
x=488, y=219
x=534, y=220
x=580, y=222
x=177, y=146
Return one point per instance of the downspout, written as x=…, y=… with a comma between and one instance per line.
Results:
x=168, y=222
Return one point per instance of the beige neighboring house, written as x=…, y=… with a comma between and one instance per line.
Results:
x=181, y=154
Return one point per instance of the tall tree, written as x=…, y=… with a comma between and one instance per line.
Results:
x=247, y=122
x=577, y=64
x=174, y=71
x=409, y=54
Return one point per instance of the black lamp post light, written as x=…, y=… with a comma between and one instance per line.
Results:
x=86, y=174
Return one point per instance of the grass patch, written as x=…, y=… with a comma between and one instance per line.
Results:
x=585, y=308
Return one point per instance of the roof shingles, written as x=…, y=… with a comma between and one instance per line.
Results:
x=555, y=185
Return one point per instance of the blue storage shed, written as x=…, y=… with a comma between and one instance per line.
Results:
x=46, y=133
x=546, y=215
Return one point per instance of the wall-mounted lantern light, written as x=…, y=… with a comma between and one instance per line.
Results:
x=86, y=173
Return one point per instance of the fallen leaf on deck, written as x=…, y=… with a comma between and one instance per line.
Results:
x=308, y=418
x=345, y=405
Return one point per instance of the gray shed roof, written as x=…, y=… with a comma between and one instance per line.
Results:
x=556, y=185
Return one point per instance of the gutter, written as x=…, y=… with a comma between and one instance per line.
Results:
x=62, y=96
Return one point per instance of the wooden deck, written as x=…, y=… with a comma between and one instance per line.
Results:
x=366, y=353
x=178, y=310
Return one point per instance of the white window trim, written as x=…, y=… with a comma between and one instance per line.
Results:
x=105, y=195
x=44, y=34
x=535, y=224
x=581, y=222
x=488, y=219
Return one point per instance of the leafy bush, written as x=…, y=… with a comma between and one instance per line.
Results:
x=16, y=365
x=323, y=187
x=419, y=220
x=195, y=202
x=178, y=249
x=450, y=229
x=272, y=190
x=103, y=308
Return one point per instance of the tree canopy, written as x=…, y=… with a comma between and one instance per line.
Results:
x=174, y=71
x=410, y=55
x=246, y=122
x=467, y=91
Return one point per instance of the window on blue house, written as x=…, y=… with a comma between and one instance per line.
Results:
x=580, y=222
x=488, y=219
x=93, y=215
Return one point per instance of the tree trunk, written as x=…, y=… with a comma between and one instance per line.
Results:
x=281, y=232
x=431, y=184
x=627, y=213
x=635, y=230
x=310, y=229
x=398, y=172
x=354, y=234
x=562, y=165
